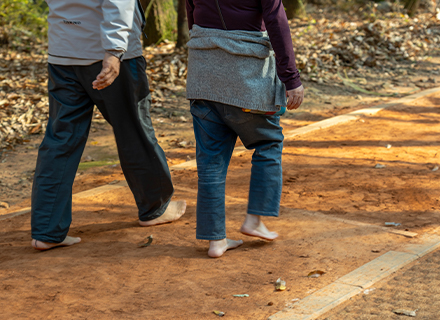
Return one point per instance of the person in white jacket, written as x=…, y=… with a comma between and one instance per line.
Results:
x=95, y=58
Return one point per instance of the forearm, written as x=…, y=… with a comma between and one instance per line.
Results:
x=189, y=13
x=279, y=33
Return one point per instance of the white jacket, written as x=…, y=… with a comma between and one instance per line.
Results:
x=85, y=29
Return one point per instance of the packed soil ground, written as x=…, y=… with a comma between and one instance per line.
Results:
x=334, y=205
x=330, y=185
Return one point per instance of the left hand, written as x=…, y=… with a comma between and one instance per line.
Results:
x=295, y=97
x=109, y=72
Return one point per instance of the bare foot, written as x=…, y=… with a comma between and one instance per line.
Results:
x=218, y=247
x=40, y=245
x=175, y=210
x=254, y=227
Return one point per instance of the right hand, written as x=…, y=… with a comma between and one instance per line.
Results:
x=109, y=72
x=295, y=97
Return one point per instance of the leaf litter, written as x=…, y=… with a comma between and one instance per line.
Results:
x=403, y=312
x=148, y=242
x=326, y=46
x=315, y=274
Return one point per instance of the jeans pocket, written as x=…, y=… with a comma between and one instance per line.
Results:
x=236, y=115
x=199, y=108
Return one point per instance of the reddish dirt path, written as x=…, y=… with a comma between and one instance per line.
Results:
x=330, y=171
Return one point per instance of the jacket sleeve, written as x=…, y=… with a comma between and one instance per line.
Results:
x=278, y=29
x=189, y=13
x=117, y=23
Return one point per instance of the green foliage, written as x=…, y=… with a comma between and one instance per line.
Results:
x=168, y=24
x=20, y=17
x=294, y=8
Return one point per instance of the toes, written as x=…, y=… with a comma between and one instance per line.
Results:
x=75, y=240
x=232, y=244
x=254, y=233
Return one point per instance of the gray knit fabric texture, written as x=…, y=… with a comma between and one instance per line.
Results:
x=234, y=67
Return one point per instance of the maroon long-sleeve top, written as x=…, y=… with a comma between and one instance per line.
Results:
x=251, y=15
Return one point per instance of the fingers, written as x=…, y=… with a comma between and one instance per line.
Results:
x=295, y=98
x=297, y=101
x=105, y=78
x=108, y=74
x=293, y=102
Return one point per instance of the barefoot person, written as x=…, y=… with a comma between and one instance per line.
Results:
x=95, y=58
x=238, y=88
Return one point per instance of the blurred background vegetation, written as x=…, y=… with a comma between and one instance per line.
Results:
x=355, y=50
x=22, y=21
x=25, y=20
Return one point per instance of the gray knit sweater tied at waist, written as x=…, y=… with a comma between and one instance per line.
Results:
x=234, y=67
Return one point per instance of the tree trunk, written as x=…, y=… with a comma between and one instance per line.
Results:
x=411, y=6
x=182, y=25
x=294, y=8
x=151, y=29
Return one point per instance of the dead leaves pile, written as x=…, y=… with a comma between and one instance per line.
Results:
x=323, y=47
x=166, y=69
x=24, y=107
x=23, y=96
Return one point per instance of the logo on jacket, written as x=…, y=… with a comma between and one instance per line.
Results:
x=72, y=22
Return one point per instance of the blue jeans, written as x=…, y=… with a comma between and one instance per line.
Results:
x=216, y=128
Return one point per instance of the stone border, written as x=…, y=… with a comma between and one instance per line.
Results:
x=327, y=298
x=322, y=216
x=325, y=123
x=356, y=114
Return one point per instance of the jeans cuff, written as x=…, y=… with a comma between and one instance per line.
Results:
x=199, y=237
x=53, y=239
x=262, y=213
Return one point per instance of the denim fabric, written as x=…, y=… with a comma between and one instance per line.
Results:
x=125, y=105
x=216, y=128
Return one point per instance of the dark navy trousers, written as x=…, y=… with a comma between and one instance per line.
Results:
x=125, y=105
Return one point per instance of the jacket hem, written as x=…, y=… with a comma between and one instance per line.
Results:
x=193, y=95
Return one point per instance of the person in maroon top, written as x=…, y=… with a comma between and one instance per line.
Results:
x=217, y=124
x=254, y=15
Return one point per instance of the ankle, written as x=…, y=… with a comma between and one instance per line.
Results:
x=252, y=220
x=216, y=242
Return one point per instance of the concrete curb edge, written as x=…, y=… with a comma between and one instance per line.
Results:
x=355, y=282
x=325, y=123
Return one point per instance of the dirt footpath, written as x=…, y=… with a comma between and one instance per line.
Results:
x=329, y=175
